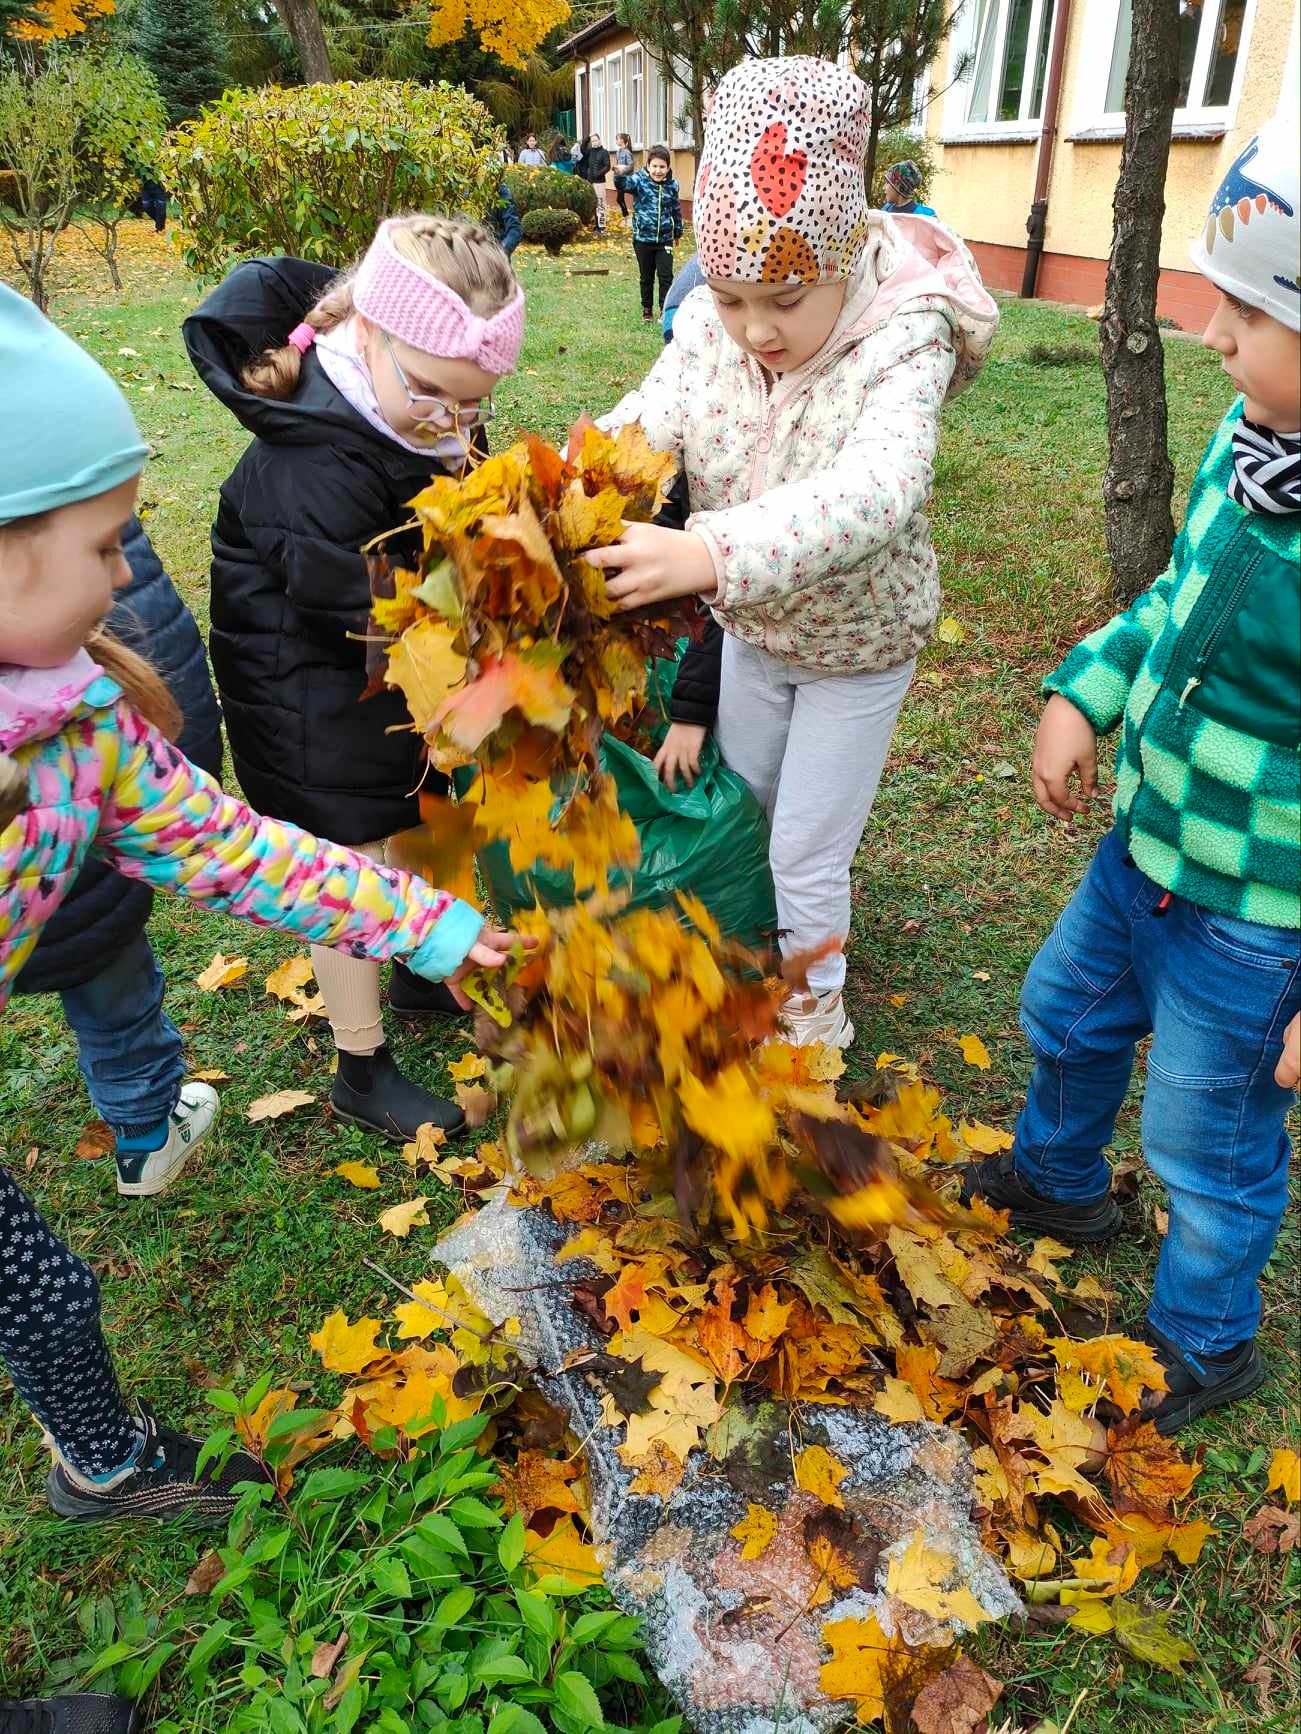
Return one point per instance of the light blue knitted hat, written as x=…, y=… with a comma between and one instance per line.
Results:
x=66, y=431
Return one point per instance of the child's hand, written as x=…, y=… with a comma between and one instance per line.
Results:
x=1065, y=746
x=1287, y=1072
x=680, y=754
x=651, y=564
x=490, y=951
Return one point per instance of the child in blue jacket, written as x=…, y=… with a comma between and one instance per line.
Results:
x=656, y=225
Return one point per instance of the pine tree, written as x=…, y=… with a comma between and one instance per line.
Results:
x=183, y=45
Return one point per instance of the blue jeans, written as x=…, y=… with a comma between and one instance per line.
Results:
x=1215, y=994
x=128, y=1049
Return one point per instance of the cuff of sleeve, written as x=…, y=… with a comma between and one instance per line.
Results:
x=447, y=944
x=1095, y=698
x=719, y=597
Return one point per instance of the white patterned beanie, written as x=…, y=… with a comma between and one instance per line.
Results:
x=1251, y=245
x=780, y=195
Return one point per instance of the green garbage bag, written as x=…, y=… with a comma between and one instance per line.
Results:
x=710, y=840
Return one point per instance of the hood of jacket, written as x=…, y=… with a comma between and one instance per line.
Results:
x=35, y=703
x=257, y=306
x=913, y=265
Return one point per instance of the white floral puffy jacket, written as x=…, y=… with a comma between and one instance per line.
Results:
x=810, y=492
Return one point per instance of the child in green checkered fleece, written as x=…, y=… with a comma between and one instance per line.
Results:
x=1185, y=928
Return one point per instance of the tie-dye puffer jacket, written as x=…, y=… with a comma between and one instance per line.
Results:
x=101, y=780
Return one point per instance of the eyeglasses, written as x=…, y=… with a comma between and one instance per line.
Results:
x=429, y=410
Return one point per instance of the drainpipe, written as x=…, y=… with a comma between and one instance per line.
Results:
x=1037, y=222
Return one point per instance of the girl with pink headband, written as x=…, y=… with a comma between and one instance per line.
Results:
x=356, y=387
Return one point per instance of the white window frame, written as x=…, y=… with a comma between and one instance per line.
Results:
x=580, y=93
x=596, y=116
x=958, y=102
x=613, y=99
x=1095, y=73
x=634, y=79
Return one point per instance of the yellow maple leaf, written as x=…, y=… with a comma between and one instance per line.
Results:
x=755, y=1531
x=918, y=1577
x=860, y=1666
x=221, y=972
x=425, y=1146
x=346, y=1348
x=727, y=1113
x=974, y=1052
x=428, y=667
x=288, y=979
x=415, y=1320
x=467, y=1067
x=897, y=1401
x=358, y=1174
x=1116, y=1366
x=561, y=1561
x=950, y=631
x=400, y=1219
x=1285, y=1475
x=984, y=1140
x=819, y=1473
x=767, y=1315
x=279, y=1103
x=660, y=1473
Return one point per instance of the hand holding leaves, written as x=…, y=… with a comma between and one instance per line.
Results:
x=650, y=564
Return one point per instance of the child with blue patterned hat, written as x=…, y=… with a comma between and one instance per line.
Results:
x=1185, y=928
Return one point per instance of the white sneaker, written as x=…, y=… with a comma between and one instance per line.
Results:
x=809, y=1017
x=145, y=1173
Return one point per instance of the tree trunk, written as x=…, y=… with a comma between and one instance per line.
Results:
x=302, y=19
x=1140, y=479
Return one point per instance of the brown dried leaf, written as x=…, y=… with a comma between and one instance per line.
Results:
x=95, y=1140
x=324, y=1657
x=956, y=1701
x=1272, y=1530
x=208, y=1571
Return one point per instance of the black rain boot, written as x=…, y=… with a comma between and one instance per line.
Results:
x=1196, y=1383
x=1088, y=1222
x=411, y=996
x=70, y=1713
x=370, y=1091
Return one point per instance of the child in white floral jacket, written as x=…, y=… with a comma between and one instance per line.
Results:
x=803, y=390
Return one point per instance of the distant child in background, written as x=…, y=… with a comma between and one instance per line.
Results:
x=594, y=166
x=656, y=225
x=94, y=952
x=531, y=157
x=1187, y=926
x=356, y=387
x=902, y=184
x=564, y=156
x=623, y=167
x=87, y=768
x=504, y=221
x=803, y=395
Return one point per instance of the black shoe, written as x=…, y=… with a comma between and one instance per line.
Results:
x=1197, y=1383
x=167, y=1488
x=1085, y=1223
x=370, y=1091
x=75, y=1713
x=646, y=313
x=411, y=996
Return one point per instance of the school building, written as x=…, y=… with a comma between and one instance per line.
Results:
x=1030, y=133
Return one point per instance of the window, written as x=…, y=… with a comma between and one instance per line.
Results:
x=1211, y=34
x=596, y=118
x=1010, y=63
x=613, y=100
x=634, y=122
x=580, y=98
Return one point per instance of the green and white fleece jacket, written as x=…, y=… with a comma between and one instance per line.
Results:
x=1204, y=673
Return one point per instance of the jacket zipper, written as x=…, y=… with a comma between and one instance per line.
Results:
x=1213, y=637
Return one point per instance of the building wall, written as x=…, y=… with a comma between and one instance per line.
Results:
x=595, y=69
x=984, y=187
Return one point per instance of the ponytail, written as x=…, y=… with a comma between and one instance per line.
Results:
x=142, y=686
x=276, y=371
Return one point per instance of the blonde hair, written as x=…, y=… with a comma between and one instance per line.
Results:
x=462, y=254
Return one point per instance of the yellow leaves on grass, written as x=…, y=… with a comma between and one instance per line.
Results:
x=561, y=1562
x=819, y=1473
x=974, y=1052
x=221, y=972
x=755, y=1531
x=288, y=979
x=984, y=1140
x=1285, y=1475
x=399, y=1219
x=1144, y=1632
x=278, y=1104
x=345, y=1348
x=727, y=1113
x=1113, y=1366
x=358, y=1174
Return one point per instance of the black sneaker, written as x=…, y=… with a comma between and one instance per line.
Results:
x=411, y=996
x=166, y=1489
x=370, y=1091
x=75, y=1713
x=1197, y=1383
x=1086, y=1222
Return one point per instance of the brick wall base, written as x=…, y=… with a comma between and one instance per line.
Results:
x=1184, y=296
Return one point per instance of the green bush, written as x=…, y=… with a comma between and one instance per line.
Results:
x=898, y=145
x=551, y=190
x=551, y=228
x=314, y=170
x=378, y=1596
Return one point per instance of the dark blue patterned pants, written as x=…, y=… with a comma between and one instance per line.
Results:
x=51, y=1341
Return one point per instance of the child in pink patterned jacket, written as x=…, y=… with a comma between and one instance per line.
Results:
x=803, y=390
x=84, y=768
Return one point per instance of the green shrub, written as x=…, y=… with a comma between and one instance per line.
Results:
x=419, y=1573
x=315, y=169
x=898, y=145
x=551, y=190
x=551, y=228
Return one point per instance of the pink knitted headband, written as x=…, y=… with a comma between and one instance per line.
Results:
x=412, y=304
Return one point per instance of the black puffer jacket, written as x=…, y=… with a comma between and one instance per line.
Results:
x=695, y=687
x=104, y=912
x=290, y=591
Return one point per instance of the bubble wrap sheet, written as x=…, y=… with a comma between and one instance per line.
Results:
x=734, y=1640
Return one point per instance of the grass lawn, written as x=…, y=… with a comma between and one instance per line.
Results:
x=958, y=879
